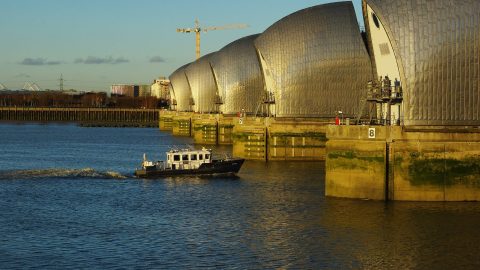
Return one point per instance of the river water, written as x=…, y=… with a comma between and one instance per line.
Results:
x=68, y=201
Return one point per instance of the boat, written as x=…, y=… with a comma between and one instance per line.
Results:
x=188, y=162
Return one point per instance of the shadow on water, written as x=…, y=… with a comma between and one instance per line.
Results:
x=191, y=180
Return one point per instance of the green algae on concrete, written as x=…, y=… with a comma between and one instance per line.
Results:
x=165, y=120
x=291, y=140
x=356, y=170
x=205, y=130
x=225, y=130
x=249, y=141
x=357, y=155
x=436, y=169
x=182, y=125
x=248, y=137
x=314, y=135
x=433, y=171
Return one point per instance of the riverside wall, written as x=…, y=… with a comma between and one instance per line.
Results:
x=403, y=163
x=85, y=116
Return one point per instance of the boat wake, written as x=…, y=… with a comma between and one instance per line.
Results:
x=61, y=173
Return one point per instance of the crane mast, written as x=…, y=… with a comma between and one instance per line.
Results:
x=197, y=30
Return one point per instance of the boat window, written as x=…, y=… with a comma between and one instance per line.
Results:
x=200, y=157
x=184, y=157
x=207, y=156
x=176, y=157
x=193, y=157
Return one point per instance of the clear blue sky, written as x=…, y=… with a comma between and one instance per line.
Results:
x=95, y=43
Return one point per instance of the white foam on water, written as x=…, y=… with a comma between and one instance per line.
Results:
x=60, y=173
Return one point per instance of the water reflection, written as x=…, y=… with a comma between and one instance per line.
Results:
x=273, y=215
x=404, y=235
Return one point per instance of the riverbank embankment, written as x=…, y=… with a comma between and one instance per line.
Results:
x=88, y=117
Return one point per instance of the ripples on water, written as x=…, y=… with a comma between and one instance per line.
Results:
x=89, y=212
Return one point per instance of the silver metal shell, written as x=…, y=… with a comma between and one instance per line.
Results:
x=317, y=62
x=181, y=89
x=437, y=47
x=239, y=77
x=203, y=85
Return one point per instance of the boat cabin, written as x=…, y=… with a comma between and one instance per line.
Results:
x=187, y=159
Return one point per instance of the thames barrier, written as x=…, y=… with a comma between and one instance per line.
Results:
x=393, y=108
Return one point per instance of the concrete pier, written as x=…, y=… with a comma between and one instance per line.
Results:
x=165, y=120
x=279, y=139
x=296, y=139
x=225, y=129
x=213, y=129
x=182, y=124
x=205, y=129
x=250, y=139
x=405, y=164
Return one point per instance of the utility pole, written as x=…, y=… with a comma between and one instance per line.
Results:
x=61, y=82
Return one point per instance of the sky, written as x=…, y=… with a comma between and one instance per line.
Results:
x=96, y=43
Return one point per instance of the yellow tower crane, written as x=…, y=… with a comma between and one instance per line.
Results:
x=197, y=30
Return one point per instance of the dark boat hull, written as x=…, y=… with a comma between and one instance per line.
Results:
x=216, y=167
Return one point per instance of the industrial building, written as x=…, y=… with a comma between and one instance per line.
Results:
x=160, y=88
x=131, y=90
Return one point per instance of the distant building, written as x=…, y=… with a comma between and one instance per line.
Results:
x=131, y=90
x=160, y=88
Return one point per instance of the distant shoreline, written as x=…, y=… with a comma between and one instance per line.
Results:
x=85, y=117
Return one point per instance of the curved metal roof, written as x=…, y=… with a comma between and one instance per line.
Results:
x=203, y=85
x=316, y=61
x=239, y=77
x=437, y=45
x=181, y=89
